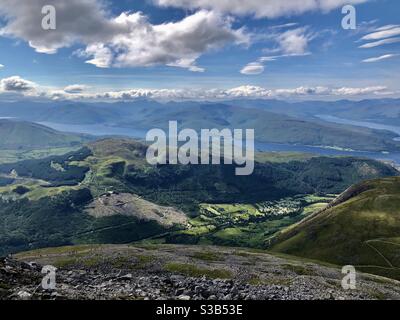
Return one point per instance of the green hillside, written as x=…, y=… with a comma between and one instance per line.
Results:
x=362, y=229
x=26, y=135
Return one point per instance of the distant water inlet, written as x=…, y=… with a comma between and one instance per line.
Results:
x=365, y=124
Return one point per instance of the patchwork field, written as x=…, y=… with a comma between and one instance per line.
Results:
x=250, y=225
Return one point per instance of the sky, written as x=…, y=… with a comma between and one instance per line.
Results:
x=199, y=49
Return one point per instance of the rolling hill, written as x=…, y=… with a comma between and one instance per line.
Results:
x=360, y=228
x=25, y=135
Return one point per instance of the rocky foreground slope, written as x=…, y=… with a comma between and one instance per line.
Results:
x=180, y=272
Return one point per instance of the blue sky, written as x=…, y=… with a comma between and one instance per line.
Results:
x=294, y=52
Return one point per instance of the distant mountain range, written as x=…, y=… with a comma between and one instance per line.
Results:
x=273, y=121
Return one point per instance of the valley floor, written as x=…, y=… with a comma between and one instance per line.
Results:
x=150, y=272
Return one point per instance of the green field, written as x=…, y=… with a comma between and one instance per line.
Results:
x=250, y=225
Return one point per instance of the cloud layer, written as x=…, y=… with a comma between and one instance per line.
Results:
x=24, y=87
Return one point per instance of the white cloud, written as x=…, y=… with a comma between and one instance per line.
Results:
x=345, y=91
x=383, y=33
x=128, y=40
x=260, y=8
x=259, y=67
x=294, y=42
x=102, y=56
x=253, y=68
x=16, y=84
x=1, y=66
x=290, y=43
x=249, y=92
x=274, y=58
x=379, y=43
x=283, y=26
x=177, y=44
x=380, y=58
x=76, y=88
x=387, y=27
x=300, y=91
x=326, y=91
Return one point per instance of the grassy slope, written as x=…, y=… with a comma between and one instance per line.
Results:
x=362, y=231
